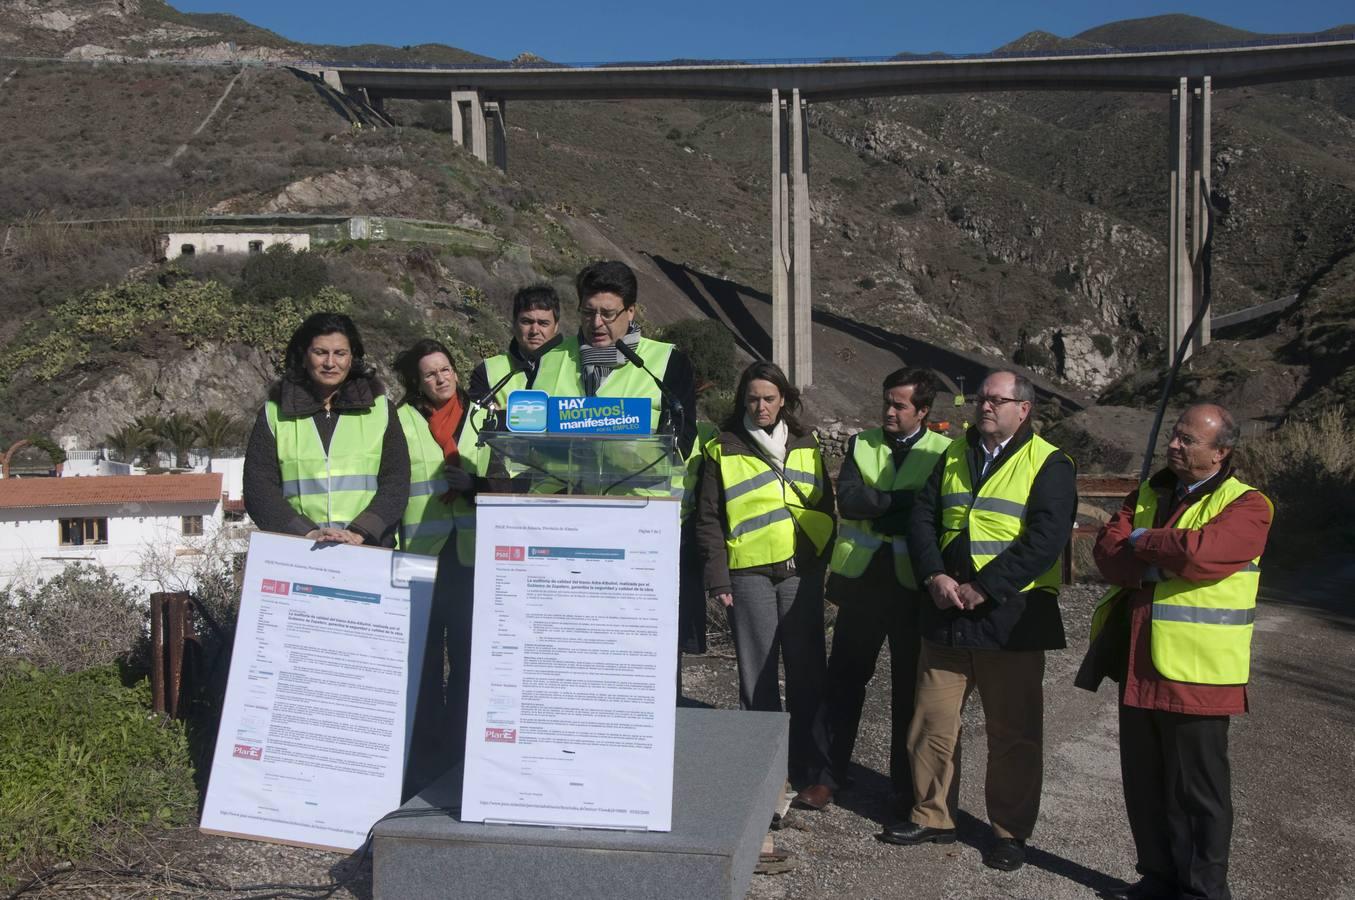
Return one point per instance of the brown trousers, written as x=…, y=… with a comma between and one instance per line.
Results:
x=1010, y=685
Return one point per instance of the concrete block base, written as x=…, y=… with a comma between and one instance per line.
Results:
x=728, y=773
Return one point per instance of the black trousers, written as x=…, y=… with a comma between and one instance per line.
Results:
x=873, y=609
x=1177, y=791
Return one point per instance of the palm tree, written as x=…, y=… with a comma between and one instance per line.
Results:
x=179, y=431
x=217, y=428
x=153, y=426
x=127, y=442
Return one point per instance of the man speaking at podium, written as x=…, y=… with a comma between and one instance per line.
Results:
x=610, y=358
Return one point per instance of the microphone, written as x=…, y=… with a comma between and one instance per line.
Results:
x=529, y=366
x=674, y=405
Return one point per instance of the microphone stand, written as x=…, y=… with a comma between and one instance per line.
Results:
x=679, y=416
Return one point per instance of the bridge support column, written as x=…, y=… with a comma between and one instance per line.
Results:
x=1201, y=164
x=495, y=112
x=468, y=105
x=332, y=79
x=1189, y=164
x=792, y=298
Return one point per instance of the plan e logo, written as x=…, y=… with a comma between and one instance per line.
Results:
x=511, y=554
x=245, y=751
x=501, y=735
x=273, y=586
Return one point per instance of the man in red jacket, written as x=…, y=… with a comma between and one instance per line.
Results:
x=1184, y=554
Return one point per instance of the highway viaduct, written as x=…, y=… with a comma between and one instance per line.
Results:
x=479, y=95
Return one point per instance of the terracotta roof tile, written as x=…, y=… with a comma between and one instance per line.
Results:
x=108, y=490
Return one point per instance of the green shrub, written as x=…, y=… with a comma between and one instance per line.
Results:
x=1307, y=468
x=81, y=618
x=197, y=312
x=281, y=272
x=81, y=758
x=709, y=345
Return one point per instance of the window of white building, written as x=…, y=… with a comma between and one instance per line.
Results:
x=78, y=532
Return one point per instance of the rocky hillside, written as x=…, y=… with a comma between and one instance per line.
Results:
x=952, y=231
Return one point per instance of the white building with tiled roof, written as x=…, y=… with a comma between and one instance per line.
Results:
x=124, y=523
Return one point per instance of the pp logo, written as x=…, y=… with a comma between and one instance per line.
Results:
x=501, y=735
x=245, y=751
x=272, y=586
x=512, y=554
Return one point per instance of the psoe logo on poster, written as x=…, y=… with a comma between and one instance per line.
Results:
x=512, y=554
x=273, y=586
x=245, y=751
x=501, y=735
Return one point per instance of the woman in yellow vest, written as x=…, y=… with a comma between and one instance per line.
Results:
x=764, y=522
x=327, y=458
x=433, y=416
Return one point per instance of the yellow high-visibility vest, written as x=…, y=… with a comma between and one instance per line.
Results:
x=330, y=488
x=762, y=513
x=496, y=367
x=705, y=433
x=475, y=460
x=857, y=540
x=560, y=375
x=428, y=521
x=996, y=516
x=1202, y=630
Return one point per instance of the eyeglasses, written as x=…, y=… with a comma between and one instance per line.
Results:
x=995, y=402
x=1184, y=440
x=606, y=315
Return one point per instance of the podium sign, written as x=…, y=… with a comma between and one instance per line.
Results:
x=573, y=667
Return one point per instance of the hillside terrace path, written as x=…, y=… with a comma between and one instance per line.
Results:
x=1293, y=756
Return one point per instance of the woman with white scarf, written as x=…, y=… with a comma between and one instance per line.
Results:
x=765, y=525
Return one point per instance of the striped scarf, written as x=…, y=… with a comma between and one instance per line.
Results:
x=598, y=362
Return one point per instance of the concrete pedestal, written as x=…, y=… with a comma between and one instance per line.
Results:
x=727, y=780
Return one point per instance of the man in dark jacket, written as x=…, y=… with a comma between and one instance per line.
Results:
x=985, y=537
x=872, y=581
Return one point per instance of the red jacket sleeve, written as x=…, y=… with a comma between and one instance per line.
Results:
x=1224, y=545
x=1113, y=553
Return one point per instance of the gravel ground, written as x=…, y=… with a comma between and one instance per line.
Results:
x=1293, y=790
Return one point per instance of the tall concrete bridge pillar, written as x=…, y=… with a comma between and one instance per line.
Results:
x=467, y=106
x=1189, y=185
x=495, y=112
x=483, y=115
x=792, y=298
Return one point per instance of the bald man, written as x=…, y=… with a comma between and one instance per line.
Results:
x=1183, y=554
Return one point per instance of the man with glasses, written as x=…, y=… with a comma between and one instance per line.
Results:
x=985, y=536
x=590, y=365
x=1184, y=554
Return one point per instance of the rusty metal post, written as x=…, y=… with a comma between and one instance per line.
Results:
x=176, y=632
x=158, y=652
x=171, y=631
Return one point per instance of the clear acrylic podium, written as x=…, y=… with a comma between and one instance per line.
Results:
x=600, y=465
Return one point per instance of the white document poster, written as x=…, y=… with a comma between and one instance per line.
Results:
x=319, y=707
x=574, y=662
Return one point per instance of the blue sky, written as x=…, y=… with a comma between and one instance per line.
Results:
x=603, y=30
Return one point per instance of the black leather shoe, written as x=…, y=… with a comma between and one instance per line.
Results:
x=1144, y=889
x=909, y=833
x=1007, y=855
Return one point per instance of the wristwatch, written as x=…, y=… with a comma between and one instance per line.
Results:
x=927, y=582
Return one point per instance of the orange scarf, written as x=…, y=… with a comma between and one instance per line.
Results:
x=443, y=424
